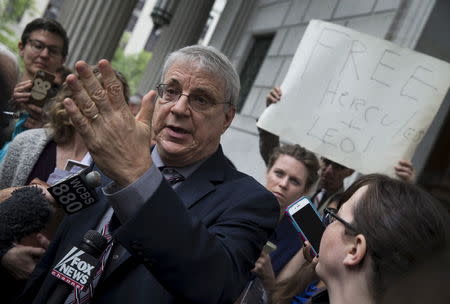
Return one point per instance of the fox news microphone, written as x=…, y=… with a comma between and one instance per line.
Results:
x=78, y=267
x=76, y=191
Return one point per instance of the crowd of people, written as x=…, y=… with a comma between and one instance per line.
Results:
x=182, y=224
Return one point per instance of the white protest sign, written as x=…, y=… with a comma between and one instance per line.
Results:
x=361, y=101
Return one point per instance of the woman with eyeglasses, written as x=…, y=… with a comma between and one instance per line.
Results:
x=43, y=47
x=384, y=229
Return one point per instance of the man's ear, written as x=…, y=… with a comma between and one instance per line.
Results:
x=229, y=115
x=21, y=46
x=356, y=251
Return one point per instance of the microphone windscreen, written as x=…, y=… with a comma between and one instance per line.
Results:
x=96, y=241
x=93, y=179
x=25, y=212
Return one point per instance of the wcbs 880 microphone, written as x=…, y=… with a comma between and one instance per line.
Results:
x=78, y=267
x=76, y=191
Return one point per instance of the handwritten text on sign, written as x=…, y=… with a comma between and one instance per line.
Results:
x=361, y=101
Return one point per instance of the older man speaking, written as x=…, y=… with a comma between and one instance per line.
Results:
x=189, y=227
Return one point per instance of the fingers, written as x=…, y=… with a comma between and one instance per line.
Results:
x=274, y=96
x=32, y=123
x=308, y=253
x=145, y=114
x=84, y=102
x=405, y=171
x=24, y=85
x=38, y=181
x=43, y=186
x=80, y=122
x=277, y=92
x=21, y=92
x=29, y=251
x=42, y=240
x=34, y=110
x=112, y=84
x=35, y=252
x=405, y=163
x=21, y=97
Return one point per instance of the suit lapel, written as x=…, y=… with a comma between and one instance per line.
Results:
x=203, y=180
x=191, y=191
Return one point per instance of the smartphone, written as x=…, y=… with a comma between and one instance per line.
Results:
x=307, y=221
x=42, y=84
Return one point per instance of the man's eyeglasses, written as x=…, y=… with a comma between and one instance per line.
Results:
x=199, y=103
x=330, y=215
x=38, y=46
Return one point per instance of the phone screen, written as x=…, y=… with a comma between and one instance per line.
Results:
x=308, y=221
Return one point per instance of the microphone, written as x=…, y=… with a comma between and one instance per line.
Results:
x=6, y=117
x=25, y=212
x=76, y=191
x=10, y=115
x=78, y=267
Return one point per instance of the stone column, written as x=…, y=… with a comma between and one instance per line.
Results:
x=185, y=29
x=94, y=27
x=231, y=24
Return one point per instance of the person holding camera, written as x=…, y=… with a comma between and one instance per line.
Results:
x=43, y=47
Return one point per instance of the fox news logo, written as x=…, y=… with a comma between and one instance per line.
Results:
x=75, y=268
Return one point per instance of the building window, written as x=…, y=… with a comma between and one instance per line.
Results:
x=131, y=23
x=252, y=65
x=140, y=5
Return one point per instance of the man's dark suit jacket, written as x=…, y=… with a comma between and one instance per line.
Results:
x=195, y=245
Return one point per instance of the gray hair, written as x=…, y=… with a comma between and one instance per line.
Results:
x=6, y=53
x=9, y=72
x=212, y=60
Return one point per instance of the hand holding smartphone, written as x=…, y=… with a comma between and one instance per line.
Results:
x=307, y=221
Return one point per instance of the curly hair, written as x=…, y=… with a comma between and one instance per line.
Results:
x=56, y=117
x=307, y=158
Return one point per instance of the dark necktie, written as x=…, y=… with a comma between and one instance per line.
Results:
x=171, y=175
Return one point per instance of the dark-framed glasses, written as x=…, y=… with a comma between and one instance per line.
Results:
x=38, y=46
x=330, y=215
x=172, y=93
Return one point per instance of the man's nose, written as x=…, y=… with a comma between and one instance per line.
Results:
x=44, y=52
x=181, y=106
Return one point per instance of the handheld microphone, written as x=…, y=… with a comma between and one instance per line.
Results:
x=76, y=191
x=78, y=267
x=10, y=115
x=25, y=212
x=6, y=117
